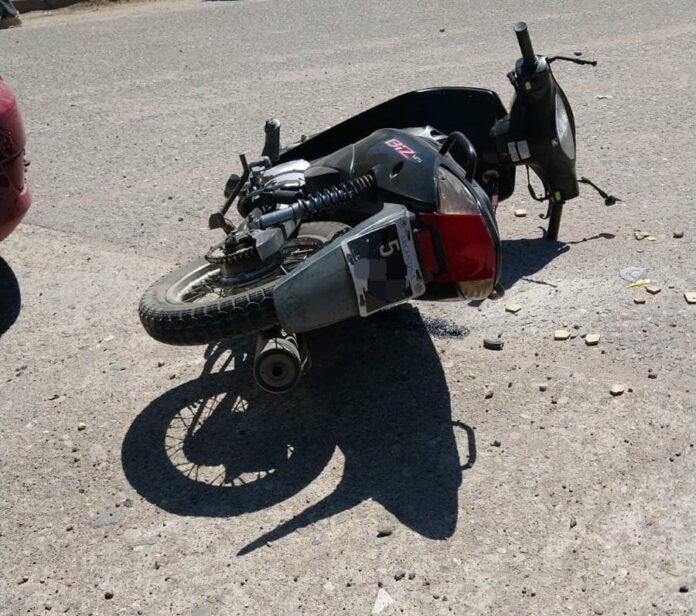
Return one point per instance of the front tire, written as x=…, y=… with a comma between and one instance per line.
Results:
x=169, y=312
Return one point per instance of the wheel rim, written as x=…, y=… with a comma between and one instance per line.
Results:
x=206, y=283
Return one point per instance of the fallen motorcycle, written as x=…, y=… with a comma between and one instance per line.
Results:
x=394, y=204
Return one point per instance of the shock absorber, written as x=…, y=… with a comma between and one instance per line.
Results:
x=321, y=202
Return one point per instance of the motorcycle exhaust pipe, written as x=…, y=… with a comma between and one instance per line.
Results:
x=280, y=361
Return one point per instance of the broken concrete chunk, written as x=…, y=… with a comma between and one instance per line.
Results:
x=520, y=212
x=617, y=389
x=561, y=334
x=651, y=238
x=382, y=602
x=678, y=234
x=653, y=289
x=639, y=299
x=493, y=344
x=592, y=339
x=640, y=235
x=690, y=297
x=513, y=308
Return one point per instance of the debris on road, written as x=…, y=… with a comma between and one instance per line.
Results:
x=651, y=238
x=640, y=283
x=690, y=297
x=520, y=212
x=639, y=299
x=640, y=235
x=385, y=530
x=493, y=344
x=81, y=425
x=632, y=273
x=677, y=234
x=561, y=334
x=513, y=308
x=573, y=522
x=382, y=601
x=653, y=289
x=617, y=389
x=603, y=97
x=592, y=339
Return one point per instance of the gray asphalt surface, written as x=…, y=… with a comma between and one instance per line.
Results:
x=139, y=478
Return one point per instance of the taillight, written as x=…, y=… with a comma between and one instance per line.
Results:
x=459, y=234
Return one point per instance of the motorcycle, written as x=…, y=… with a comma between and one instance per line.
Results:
x=396, y=203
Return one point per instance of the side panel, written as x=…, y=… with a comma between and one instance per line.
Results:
x=472, y=111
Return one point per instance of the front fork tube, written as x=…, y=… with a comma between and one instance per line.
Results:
x=553, y=214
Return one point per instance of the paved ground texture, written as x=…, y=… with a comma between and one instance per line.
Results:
x=413, y=471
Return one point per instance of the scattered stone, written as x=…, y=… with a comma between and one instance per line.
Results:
x=651, y=238
x=653, y=289
x=108, y=594
x=411, y=576
x=573, y=522
x=160, y=364
x=54, y=397
x=23, y=580
x=561, y=334
x=81, y=426
x=382, y=602
x=496, y=443
x=385, y=530
x=652, y=375
x=399, y=575
x=639, y=299
x=493, y=344
x=513, y=308
x=543, y=387
x=128, y=503
x=640, y=235
x=329, y=587
x=592, y=339
x=172, y=376
x=617, y=389
x=520, y=212
x=442, y=29
x=489, y=395
x=603, y=97
x=678, y=234
x=690, y=297
x=683, y=589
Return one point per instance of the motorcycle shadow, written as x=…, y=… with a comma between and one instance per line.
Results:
x=10, y=297
x=217, y=446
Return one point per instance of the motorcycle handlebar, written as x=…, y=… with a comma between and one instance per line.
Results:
x=525, y=43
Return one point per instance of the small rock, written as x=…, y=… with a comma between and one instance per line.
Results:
x=651, y=238
x=23, y=580
x=493, y=344
x=128, y=503
x=617, y=389
x=603, y=97
x=109, y=594
x=513, y=308
x=382, y=602
x=172, y=376
x=561, y=334
x=573, y=522
x=442, y=29
x=411, y=576
x=653, y=289
x=488, y=395
x=683, y=589
x=54, y=397
x=520, y=212
x=652, y=375
x=160, y=364
x=640, y=235
x=690, y=297
x=543, y=387
x=399, y=575
x=639, y=299
x=496, y=443
x=677, y=234
x=385, y=530
x=592, y=339
x=81, y=426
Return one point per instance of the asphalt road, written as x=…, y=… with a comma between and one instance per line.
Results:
x=139, y=478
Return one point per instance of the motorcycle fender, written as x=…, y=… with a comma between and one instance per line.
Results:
x=373, y=266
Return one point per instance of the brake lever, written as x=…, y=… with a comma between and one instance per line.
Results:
x=575, y=60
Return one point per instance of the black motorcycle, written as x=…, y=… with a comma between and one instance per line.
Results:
x=393, y=204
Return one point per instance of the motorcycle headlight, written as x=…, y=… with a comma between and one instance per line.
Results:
x=455, y=196
x=564, y=130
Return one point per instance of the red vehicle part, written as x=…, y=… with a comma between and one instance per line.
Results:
x=467, y=248
x=15, y=197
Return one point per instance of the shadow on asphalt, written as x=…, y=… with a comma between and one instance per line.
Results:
x=217, y=446
x=10, y=297
x=523, y=258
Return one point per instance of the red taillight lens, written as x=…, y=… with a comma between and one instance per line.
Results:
x=469, y=252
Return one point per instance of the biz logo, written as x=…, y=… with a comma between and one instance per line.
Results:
x=403, y=150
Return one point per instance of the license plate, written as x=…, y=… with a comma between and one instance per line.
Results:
x=384, y=266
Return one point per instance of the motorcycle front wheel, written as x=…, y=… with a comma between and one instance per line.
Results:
x=195, y=304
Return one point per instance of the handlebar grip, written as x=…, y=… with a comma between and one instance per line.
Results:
x=525, y=44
